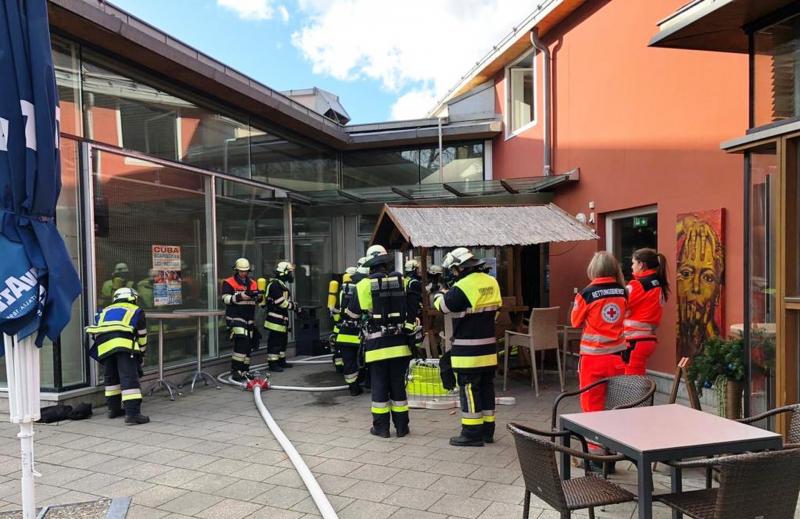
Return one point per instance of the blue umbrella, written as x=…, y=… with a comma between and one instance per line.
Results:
x=38, y=282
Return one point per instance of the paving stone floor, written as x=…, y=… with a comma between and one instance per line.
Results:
x=209, y=455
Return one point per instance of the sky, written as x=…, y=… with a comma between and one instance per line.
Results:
x=386, y=60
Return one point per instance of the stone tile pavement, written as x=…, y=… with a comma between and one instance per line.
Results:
x=209, y=455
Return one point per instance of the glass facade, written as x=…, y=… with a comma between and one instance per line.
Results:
x=776, y=72
x=165, y=225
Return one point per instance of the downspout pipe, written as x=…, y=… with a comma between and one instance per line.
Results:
x=546, y=104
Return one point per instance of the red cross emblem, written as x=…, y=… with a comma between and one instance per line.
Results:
x=611, y=313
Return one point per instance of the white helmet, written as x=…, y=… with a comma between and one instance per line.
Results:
x=460, y=257
x=284, y=267
x=360, y=268
x=242, y=265
x=411, y=265
x=125, y=294
x=376, y=255
x=433, y=270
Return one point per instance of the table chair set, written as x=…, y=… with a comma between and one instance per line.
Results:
x=759, y=473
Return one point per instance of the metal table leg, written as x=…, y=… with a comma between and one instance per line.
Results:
x=199, y=374
x=161, y=383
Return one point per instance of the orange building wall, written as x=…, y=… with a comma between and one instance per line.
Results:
x=644, y=126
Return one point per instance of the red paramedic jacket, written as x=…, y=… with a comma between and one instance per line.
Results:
x=645, y=306
x=599, y=309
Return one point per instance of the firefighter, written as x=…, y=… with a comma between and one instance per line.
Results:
x=279, y=301
x=476, y=296
x=335, y=308
x=240, y=295
x=381, y=299
x=120, y=342
x=647, y=293
x=348, y=338
x=413, y=285
x=119, y=279
x=599, y=309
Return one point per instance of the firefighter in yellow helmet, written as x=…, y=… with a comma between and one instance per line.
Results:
x=120, y=342
x=279, y=302
x=381, y=299
x=240, y=295
x=475, y=297
x=348, y=338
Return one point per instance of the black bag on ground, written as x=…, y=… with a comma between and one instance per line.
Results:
x=81, y=411
x=54, y=413
x=446, y=372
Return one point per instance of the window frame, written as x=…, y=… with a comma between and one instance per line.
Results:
x=507, y=117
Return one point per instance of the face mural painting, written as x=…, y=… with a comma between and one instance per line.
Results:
x=699, y=278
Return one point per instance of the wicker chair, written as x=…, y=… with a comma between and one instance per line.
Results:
x=764, y=484
x=537, y=459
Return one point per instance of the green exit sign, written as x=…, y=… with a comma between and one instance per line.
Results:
x=639, y=221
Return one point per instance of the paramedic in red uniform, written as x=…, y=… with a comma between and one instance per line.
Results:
x=647, y=293
x=599, y=309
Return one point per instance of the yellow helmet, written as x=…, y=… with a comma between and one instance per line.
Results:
x=242, y=265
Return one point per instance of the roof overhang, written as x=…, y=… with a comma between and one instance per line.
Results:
x=421, y=131
x=716, y=25
x=403, y=227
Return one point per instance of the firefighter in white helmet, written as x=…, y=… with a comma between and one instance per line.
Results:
x=413, y=284
x=475, y=297
x=240, y=295
x=381, y=299
x=279, y=303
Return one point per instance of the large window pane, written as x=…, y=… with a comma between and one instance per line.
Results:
x=151, y=233
x=372, y=168
x=292, y=166
x=521, y=104
x=214, y=142
x=249, y=225
x=763, y=165
x=462, y=163
x=66, y=59
x=776, y=72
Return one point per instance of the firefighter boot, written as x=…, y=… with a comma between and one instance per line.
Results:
x=238, y=376
x=471, y=436
x=285, y=364
x=400, y=420
x=355, y=389
x=380, y=425
x=274, y=366
x=133, y=413
x=488, y=432
x=114, y=404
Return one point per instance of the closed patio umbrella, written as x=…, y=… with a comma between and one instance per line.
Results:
x=38, y=282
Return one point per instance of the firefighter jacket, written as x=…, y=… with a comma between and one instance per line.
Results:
x=599, y=309
x=120, y=327
x=414, y=290
x=279, y=302
x=473, y=301
x=385, y=337
x=645, y=306
x=239, y=314
x=349, y=330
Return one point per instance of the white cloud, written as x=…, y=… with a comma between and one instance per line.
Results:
x=284, y=13
x=417, y=49
x=250, y=9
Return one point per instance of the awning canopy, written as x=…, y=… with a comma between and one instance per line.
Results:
x=401, y=227
x=716, y=25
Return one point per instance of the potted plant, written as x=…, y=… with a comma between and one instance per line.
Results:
x=720, y=364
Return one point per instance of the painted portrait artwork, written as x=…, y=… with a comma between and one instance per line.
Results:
x=699, y=278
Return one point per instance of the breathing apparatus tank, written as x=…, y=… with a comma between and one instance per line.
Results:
x=333, y=294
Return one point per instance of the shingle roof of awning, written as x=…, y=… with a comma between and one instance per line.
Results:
x=477, y=226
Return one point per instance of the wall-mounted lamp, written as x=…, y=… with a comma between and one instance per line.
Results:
x=581, y=217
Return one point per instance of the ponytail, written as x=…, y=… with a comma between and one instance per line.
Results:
x=652, y=259
x=661, y=272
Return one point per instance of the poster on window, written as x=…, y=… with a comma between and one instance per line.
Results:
x=700, y=254
x=166, y=275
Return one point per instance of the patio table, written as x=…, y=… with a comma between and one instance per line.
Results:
x=663, y=433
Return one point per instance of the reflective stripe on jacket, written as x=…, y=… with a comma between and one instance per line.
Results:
x=381, y=344
x=239, y=315
x=645, y=306
x=473, y=301
x=348, y=333
x=279, y=302
x=119, y=327
x=599, y=309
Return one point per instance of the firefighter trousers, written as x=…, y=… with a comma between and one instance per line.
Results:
x=476, y=392
x=350, y=359
x=276, y=346
x=240, y=360
x=388, y=378
x=121, y=377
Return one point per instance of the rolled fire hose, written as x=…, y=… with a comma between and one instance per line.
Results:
x=320, y=500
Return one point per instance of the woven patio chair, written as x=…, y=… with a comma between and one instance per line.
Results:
x=763, y=484
x=792, y=436
x=537, y=459
x=622, y=392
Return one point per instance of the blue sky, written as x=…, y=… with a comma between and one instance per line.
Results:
x=386, y=60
